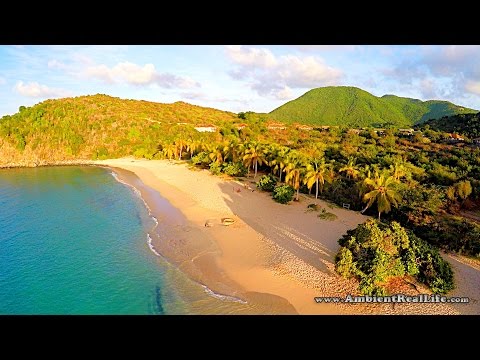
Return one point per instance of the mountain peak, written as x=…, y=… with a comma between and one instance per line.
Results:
x=355, y=107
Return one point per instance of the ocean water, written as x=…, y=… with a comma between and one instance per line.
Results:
x=74, y=241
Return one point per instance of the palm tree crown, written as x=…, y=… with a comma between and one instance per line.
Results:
x=254, y=156
x=381, y=192
x=316, y=173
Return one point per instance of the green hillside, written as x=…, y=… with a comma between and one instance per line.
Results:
x=354, y=107
x=465, y=124
x=89, y=127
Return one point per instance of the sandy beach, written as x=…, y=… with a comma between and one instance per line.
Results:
x=275, y=257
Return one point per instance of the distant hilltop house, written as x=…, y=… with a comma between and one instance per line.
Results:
x=456, y=137
x=354, y=131
x=241, y=126
x=206, y=128
x=408, y=132
x=276, y=126
x=182, y=123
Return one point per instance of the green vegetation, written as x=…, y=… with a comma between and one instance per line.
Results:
x=326, y=215
x=267, y=183
x=466, y=124
x=375, y=253
x=354, y=107
x=283, y=194
x=99, y=126
x=380, y=190
x=418, y=180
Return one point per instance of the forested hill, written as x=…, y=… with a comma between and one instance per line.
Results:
x=94, y=126
x=354, y=107
x=465, y=124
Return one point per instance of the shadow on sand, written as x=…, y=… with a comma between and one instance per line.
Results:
x=283, y=229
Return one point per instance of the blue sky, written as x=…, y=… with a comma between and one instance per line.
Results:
x=235, y=78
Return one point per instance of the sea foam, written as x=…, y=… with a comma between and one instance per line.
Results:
x=222, y=297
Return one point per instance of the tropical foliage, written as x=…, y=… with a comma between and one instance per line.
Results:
x=283, y=194
x=419, y=180
x=375, y=253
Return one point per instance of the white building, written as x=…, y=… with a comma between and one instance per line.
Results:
x=208, y=128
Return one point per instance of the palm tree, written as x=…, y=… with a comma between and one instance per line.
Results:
x=350, y=169
x=294, y=169
x=229, y=147
x=316, y=173
x=215, y=152
x=254, y=155
x=271, y=151
x=192, y=146
x=381, y=192
x=279, y=162
x=180, y=144
x=169, y=150
x=399, y=169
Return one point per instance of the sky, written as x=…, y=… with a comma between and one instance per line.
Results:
x=235, y=77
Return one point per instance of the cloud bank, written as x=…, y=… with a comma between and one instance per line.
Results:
x=134, y=74
x=276, y=76
x=36, y=90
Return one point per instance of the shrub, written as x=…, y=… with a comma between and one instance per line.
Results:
x=283, y=194
x=374, y=253
x=267, y=183
x=325, y=215
x=201, y=159
x=433, y=270
x=215, y=169
x=344, y=263
x=312, y=207
x=234, y=169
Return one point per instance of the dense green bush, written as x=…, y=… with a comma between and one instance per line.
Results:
x=215, y=169
x=374, y=253
x=432, y=269
x=283, y=194
x=234, y=169
x=201, y=159
x=267, y=183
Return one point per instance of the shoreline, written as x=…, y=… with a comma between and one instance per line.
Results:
x=264, y=271
x=185, y=245
x=276, y=260
x=37, y=164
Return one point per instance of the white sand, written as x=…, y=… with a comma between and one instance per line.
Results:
x=272, y=248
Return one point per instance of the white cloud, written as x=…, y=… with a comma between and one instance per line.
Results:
x=428, y=88
x=139, y=75
x=284, y=94
x=306, y=72
x=473, y=87
x=262, y=58
x=2, y=81
x=451, y=71
x=272, y=75
x=36, y=90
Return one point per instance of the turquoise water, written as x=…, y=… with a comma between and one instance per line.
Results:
x=74, y=241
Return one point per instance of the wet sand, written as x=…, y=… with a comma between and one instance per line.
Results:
x=275, y=257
